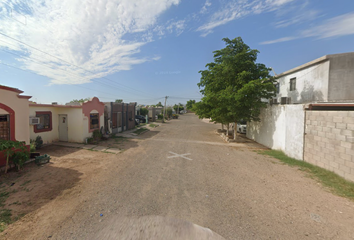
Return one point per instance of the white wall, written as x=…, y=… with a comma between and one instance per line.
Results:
x=281, y=128
x=74, y=119
x=311, y=84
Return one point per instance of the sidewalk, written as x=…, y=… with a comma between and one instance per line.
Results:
x=88, y=147
x=130, y=133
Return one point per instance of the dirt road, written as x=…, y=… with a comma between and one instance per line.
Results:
x=183, y=170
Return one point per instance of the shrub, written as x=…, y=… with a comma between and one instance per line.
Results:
x=32, y=146
x=19, y=158
x=160, y=116
x=96, y=135
x=39, y=142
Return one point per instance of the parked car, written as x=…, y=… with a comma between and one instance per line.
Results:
x=141, y=119
x=242, y=127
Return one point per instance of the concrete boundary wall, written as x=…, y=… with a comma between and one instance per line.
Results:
x=281, y=128
x=329, y=141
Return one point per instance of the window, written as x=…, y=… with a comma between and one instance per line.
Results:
x=4, y=127
x=277, y=87
x=293, y=84
x=94, y=121
x=45, y=122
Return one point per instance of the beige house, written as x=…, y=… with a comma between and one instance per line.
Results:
x=14, y=110
x=67, y=123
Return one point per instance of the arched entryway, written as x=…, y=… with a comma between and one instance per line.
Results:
x=7, y=123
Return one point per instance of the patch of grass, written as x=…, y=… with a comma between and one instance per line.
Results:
x=23, y=184
x=3, y=197
x=140, y=130
x=15, y=203
x=19, y=216
x=5, y=218
x=335, y=183
x=153, y=125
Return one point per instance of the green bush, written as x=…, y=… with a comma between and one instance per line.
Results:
x=160, y=116
x=19, y=158
x=39, y=142
x=32, y=146
x=144, y=111
x=96, y=135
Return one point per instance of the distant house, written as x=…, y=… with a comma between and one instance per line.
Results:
x=312, y=116
x=119, y=117
x=68, y=123
x=153, y=112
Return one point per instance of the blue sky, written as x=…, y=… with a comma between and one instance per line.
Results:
x=141, y=51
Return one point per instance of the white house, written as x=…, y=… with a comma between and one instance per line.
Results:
x=302, y=118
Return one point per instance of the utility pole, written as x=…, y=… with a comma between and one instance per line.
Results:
x=178, y=109
x=164, y=110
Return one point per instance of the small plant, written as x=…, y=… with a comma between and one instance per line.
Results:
x=10, y=147
x=32, y=146
x=19, y=158
x=39, y=142
x=160, y=116
x=96, y=135
x=90, y=140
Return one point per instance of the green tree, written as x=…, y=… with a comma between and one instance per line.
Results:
x=190, y=104
x=178, y=107
x=144, y=111
x=119, y=100
x=159, y=104
x=82, y=100
x=234, y=86
x=169, y=112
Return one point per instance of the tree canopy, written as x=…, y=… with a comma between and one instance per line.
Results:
x=82, y=100
x=177, y=107
x=190, y=104
x=144, y=111
x=159, y=104
x=234, y=86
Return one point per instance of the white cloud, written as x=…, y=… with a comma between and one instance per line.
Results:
x=236, y=9
x=342, y=25
x=177, y=26
x=93, y=36
x=284, y=39
x=335, y=27
x=302, y=17
x=205, y=7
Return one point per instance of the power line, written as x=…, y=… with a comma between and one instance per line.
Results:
x=67, y=62
x=8, y=65
x=45, y=64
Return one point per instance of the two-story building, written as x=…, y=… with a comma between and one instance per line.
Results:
x=312, y=114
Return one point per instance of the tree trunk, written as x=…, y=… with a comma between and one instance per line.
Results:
x=7, y=162
x=235, y=130
x=228, y=129
x=222, y=126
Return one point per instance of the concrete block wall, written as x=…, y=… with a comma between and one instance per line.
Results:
x=329, y=141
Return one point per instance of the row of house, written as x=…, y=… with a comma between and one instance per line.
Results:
x=312, y=116
x=22, y=120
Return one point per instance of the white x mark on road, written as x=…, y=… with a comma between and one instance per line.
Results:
x=180, y=155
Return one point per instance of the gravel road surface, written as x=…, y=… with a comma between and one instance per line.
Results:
x=181, y=175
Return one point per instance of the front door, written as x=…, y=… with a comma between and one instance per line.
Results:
x=4, y=127
x=63, y=127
